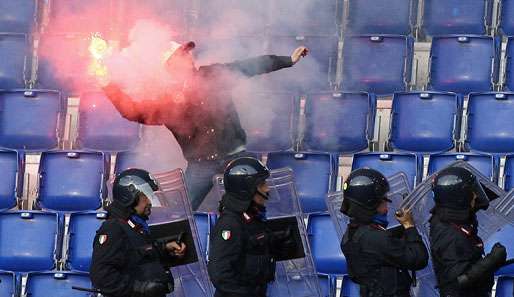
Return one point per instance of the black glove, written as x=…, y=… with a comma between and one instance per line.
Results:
x=149, y=289
x=283, y=241
x=485, y=266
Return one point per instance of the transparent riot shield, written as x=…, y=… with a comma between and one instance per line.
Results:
x=295, y=274
x=174, y=215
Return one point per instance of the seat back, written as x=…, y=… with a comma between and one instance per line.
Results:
x=349, y=288
x=504, y=286
x=391, y=163
x=486, y=164
x=80, y=236
x=72, y=181
x=425, y=122
x=12, y=69
x=11, y=179
x=101, y=127
x=379, y=64
x=339, y=122
x=41, y=125
x=464, y=64
x=8, y=284
x=325, y=245
x=442, y=17
x=314, y=176
x=489, y=127
x=17, y=15
x=28, y=240
x=58, y=284
x=382, y=17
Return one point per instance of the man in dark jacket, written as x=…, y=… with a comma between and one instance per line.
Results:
x=126, y=261
x=242, y=249
x=199, y=111
x=378, y=260
x=457, y=251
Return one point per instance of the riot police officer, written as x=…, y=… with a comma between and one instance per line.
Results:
x=378, y=260
x=457, y=251
x=242, y=248
x=126, y=261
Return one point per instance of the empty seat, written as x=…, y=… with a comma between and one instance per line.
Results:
x=11, y=179
x=504, y=286
x=509, y=67
x=57, y=283
x=349, y=288
x=31, y=119
x=382, y=17
x=28, y=240
x=391, y=163
x=17, y=15
x=57, y=69
x=378, y=64
x=325, y=245
x=80, y=236
x=101, y=127
x=506, y=22
x=203, y=225
x=72, y=181
x=80, y=16
x=464, y=64
x=8, y=286
x=306, y=17
x=425, y=122
x=314, y=176
x=490, y=128
x=12, y=69
x=508, y=174
x=486, y=164
x=317, y=70
x=271, y=127
x=443, y=17
x=339, y=122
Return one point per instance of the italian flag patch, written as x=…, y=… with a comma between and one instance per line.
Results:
x=102, y=239
x=226, y=234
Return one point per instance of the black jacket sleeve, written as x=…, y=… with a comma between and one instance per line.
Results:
x=109, y=259
x=251, y=67
x=224, y=255
x=408, y=252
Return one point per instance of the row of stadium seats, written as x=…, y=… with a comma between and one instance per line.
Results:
x=76, y=181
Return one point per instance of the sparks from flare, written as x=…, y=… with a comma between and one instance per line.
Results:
x=98, y=49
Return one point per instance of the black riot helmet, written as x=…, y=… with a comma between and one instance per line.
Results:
x=366, y=188
x=243, y=175
x=455, y=188
x=129, y=184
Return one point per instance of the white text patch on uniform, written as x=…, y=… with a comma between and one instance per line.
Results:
x=226, y=234
x=102, y=239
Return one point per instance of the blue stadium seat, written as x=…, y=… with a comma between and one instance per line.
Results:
x=504, y=286
x=272, y=126
x=425, y=122
x=60, y=71
x=317, y=69
x=489, y=123
x=391, y=163
x=72, y=181
x=12, y=69
x=503, y=236
x=11, y=179
x=325, y=245
x=57, y=284
x=349, y=288
x=28, y=240
x=486, y=164
x=382, y=17
x=464, y=64
x=328, y=285
x=315, y=176
x=17, y=15
x=8, y=284
x=41, y=125
x=306, y=17
x=442, y=17
x=509, y=67
x=203, y=224
x=378, y=64
x=101, y=127
x=82, y=231
x=80, y=16
x=339, y=122
x=508, y=173
x=506, y=22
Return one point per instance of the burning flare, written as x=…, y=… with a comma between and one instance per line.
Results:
x=99, y=49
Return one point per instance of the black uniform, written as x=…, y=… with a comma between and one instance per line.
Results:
x=241, y=254
x=380, y=262
x=455, y=247
x=123, y=254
